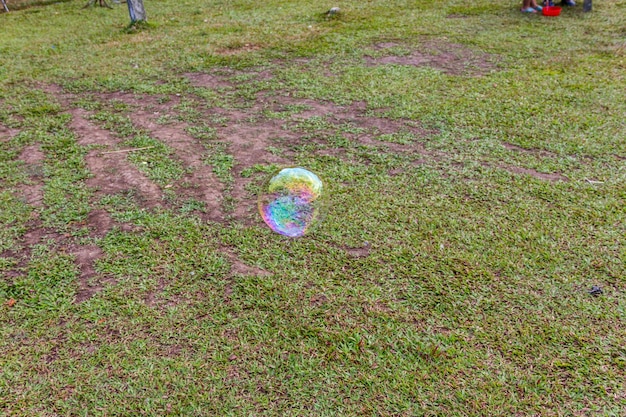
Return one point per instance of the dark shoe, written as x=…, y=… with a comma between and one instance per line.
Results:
x=568, y=3
x=548, y=3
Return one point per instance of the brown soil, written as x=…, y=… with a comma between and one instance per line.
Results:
x=553, y=177
x=247, y=135
x=212, y=81
x=112, y=173
x=206, y=187
x=142, y=101
x=7, y=133
x=396, y=171
x=517, y=148
x=99, y=222
x=318, y=300
x=37, y=234
x=239, y=49
x=451, y=58
x=238, y=267
x=356, y=115
x=386, y=45
x=248, y=145
x=362, y=252
x=32, y=193
x=32, y=155
x=152, y=298
x=86, y=257
x=220, y=79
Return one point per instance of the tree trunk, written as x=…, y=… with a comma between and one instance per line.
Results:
x=587, y=6
x=136, y=10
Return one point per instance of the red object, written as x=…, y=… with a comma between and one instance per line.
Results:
x=551, y=11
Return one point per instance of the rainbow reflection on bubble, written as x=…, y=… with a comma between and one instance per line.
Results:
x=291, y=202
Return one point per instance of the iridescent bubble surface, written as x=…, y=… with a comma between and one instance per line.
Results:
x=291, y=202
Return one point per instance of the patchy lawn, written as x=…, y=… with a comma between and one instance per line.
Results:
x=471, y=260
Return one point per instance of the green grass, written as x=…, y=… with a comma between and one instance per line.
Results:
x=446, y=279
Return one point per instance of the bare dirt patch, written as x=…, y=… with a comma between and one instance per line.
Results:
x=386, y=45
x=396, y=171
x=238, y=49
x=517, y=148
x=355, y=114
x=99, y=222
x=310, y=108
x=7, y=133
x=362, y=252
x=204, y=80
x=373, y=128
x=205, y=186
x=37, y=233
x=85, y=258
x=451, y=58
x=152, y=298
x=156, y=102
x=512, y=147
x=33, y=157
x=32, y=194
x=251, y=136
x=263, y=75
x=248, y=143
x=318, y=300
x=112, y=173
x=220, y=78
x=552, y=177
x=238, y=267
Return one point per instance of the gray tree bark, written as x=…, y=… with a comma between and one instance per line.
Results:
x=136, y=10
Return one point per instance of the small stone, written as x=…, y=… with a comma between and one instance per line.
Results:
x=232, y=358
x=595, y=290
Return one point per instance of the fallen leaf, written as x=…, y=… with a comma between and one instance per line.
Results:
x=11, y=302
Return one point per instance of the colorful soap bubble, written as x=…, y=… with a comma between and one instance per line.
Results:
x=292, y=201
